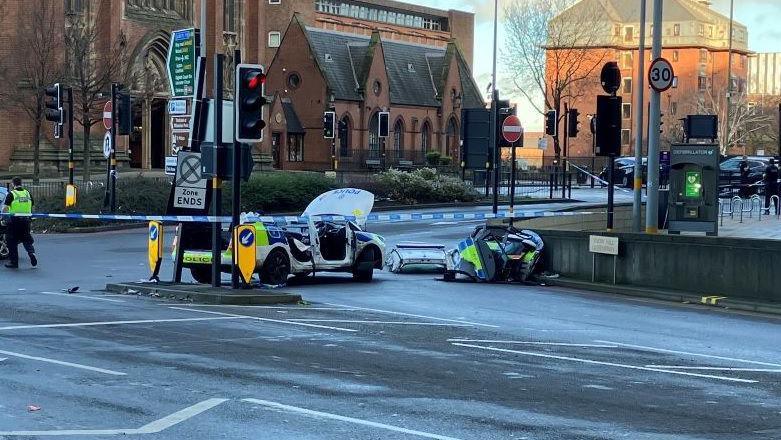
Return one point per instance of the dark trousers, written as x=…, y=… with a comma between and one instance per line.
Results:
x=19, y=232
x=770, y=191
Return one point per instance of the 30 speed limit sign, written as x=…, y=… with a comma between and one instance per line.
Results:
x=661, y=75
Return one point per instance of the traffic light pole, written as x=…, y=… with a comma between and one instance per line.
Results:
x=71, y=164
x=654, y=118
x=566, y=149
x=216, y=183
x=637, y=202
x=236, y=187
x=113, y=157
x=495, y=150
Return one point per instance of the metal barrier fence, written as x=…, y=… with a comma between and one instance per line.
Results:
x=739, y=205
x=56, y=188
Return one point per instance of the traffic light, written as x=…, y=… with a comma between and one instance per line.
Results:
x=608, y=125
x=124, y=114
x=550, y=122
x=250, y=99
x=384, y=124
x=329, y=125
x=54, y=110
x=572, y=121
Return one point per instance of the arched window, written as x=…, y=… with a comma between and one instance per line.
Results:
x=451, y=139
x=345, y=131
x=425, y=137
x=374, y=136
x=398, y=137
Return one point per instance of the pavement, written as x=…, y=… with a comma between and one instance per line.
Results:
x=405, y=357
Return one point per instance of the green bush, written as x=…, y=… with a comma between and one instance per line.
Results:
x=424, y=185
x=445, y=160
x=432, y=158
x=279, y=191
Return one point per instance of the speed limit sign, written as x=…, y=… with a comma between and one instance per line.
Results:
x=661, y=75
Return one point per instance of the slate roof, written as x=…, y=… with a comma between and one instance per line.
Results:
x=415, y=72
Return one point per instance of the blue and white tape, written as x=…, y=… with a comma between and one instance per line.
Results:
x=371, y=218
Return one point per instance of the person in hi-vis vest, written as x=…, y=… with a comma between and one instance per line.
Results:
x=19, y=201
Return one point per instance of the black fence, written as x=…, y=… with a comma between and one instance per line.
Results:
x=56, y=188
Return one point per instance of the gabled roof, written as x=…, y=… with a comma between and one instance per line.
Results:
x=414, y=71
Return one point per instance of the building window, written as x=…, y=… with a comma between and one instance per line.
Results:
x=626, y=110
x=425, y=137
x=627, y=86
x=374, y=136
x=617, y=30
x=710, y=31
x=703, y=55
x=451, y=140
x=229, y=16
x=702, y=83
x=629, y=33
x=677, y=30
x=74, y=6
x=274, y=2
x=626, y=136
x=377, y=88
x=327, y=6
x=398, y=138
x=673, y=108
x=295, y=147
x=294, y=80
x=345, y=128
x=274, y=39
x=676, y=55
x=701, y=31
x=627, y=58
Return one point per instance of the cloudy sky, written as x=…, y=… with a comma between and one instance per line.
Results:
x=762, y=17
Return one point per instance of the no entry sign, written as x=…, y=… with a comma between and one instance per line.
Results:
x=512, y=129
x=107, y=110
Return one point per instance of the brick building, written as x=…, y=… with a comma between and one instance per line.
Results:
x=142, y=28
x=423, y=87
x=694, y=40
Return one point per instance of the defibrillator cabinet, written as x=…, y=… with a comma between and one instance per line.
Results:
x=693, y=204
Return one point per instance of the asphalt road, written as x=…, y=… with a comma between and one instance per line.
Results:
x=403, y=358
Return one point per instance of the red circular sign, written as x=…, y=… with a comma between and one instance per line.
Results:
x=107, y=115
x=512, y=130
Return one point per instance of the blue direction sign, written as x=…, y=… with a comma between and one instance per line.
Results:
x=181, y=63
x=247, y=237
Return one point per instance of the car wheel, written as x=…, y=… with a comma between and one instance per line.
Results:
x=276, y=268
x=202, y=274
x=363, y=270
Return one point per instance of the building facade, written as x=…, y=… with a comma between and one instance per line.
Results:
x=695, y=41
x=142, y=29
x=764, y=74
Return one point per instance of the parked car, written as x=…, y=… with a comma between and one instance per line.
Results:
x=624, y=171
x=729, y=176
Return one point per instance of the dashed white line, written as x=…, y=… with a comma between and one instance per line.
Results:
x=151, y=428
x=95, y=298
x=710, y=356
x=609, y=364
x=684, y=367
x=348, y=321
x=459, y=321
x=557, y=344
x=100, y=323
x=353, y=420
x=279, y=321
x=65, y=364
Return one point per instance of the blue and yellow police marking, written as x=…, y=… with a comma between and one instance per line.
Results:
x=712, y=300
x=155, y=242
x=245, y=250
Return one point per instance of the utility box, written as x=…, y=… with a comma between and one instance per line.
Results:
x=693, y=204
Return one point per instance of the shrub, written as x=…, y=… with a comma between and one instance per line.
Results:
x=278, y=191
x=424, y=185
x=445, y=160
x=432, y=158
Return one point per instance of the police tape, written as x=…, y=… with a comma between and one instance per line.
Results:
x=251, y=217
x=597, y=178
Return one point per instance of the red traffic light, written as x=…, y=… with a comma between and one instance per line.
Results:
x=255, y=80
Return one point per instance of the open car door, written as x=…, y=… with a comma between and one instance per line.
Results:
x=348, y=202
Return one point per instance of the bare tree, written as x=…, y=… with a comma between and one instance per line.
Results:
x=34, y=63
x=745, y=121
x=552, y=54
x=92, y=70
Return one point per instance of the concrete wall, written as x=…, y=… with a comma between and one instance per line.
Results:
x=735, y=268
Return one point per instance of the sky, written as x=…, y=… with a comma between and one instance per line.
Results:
x=762, y=17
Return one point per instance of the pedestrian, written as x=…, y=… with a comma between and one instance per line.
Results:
x=19, y=201
x=771, y=185
x=745, y=191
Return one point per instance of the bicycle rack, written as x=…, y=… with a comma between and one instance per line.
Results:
x=729, y=208
x=776, y=204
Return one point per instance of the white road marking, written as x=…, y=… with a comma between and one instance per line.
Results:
x=65, y=364
x=347, y=321
x=3, y=359
x=609, y=364
x=710, y=356
x=682, y=367
x=302, y=308
x=70, y=295
x=325, y=415
x=458, y=321
x=280, y=321
x=558, y=344
x=99, y=323
x=152, y=428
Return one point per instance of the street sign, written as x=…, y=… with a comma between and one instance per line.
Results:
x=107, y=145
x=512, y=129
x=179, y=142
x=177, y=107
x=245, y=250
x=180, y=124
x=170, y=165
x=181, y=63
x=190, y=186
x=599, y=244
x=107, y=111
x=661, y=75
